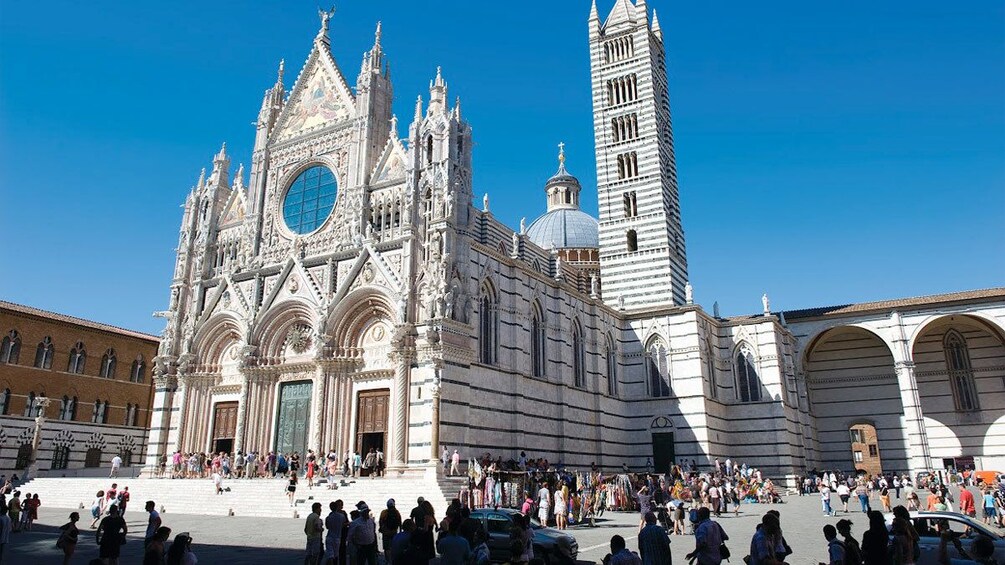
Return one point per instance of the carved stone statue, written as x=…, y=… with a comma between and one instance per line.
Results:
x=594, y=286
x=485, y=202
x=403, y=308
x=766, y=303
x=516, y=244
x=523, y=225
x=688, y=293
x=448, y=304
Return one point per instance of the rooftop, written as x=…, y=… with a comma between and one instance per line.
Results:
x=845, y=309
x=31, y=311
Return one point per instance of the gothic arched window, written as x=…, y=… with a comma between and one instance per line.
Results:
x=78, y=357
x=658, y=369
x=578, y=357
x=713, y=386
x=68, y=408
x=537, y=342
x=748, y=384
x=487, y=327
x=610, y=357
x=30, y=404
x=138, y=370
x=60, y=457
x=10, y=348
x=44, y=353
x=4, y=401
x=108, y=364
x=632, y=240
x=961, y=373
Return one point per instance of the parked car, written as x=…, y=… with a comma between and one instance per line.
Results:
x=927, y=525
x=554, y=546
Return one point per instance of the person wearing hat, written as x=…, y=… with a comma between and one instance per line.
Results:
x=388, y=525
x=362, y=536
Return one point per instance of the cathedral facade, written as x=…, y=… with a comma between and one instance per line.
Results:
x=349, y=295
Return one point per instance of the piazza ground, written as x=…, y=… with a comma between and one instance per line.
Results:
x=278, y=540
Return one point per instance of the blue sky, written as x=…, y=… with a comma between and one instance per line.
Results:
x=827, y=153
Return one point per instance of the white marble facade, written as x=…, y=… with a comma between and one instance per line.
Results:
x=395, y=311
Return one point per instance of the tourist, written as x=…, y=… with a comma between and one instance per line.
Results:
x=180, y=552
x=645, y=504
x=153, y=553
x=97, y=508
x=543, y=505
x=14, y=510
x=968, y=506
x=388, y=525
x=863, y=496
x=897, y=486
x=912, y=534
x=654, y=544
x=110, y=536
x=901, y=545
x=620, y=555
x=852, y=549
x=714, y=498
x=357, y=463
x=825, y=499
x=153, y=521
x=291, y=487
x=68, y=535
x=525, y=533
x=455, y=461
x=875, y=540
x=313, y=528
x=561, y=508
x=400, y=543
x=116, y=463
x=844, y=493
x=454, y=549
x=123, y=500
x=335, y=522
x=884, y=497
x=708, y=539
x=766, y=545
x=6, y=528
x=217, y=482
x=990, y=512
x=835, y=549
x=363, y=536
x=480, y=554
x=445, y=459
x=311, y=466
x=29, y=510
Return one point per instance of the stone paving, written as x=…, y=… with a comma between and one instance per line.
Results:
x=271, y=540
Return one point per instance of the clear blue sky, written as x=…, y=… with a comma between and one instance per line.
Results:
x=828, y=152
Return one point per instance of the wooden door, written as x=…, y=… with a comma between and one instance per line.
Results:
x=371, y=414
x=224, y=420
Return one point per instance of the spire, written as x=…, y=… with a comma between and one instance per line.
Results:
x=418, y=108
x=656, y=26
x=376, y=35
x=457, y=108
x=279, y=74
x=593, y=12
x=201, y=183
x=438, y=93
x=239, y=179
x=221, y=166
x=439, y=78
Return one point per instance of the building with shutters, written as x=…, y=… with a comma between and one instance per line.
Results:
x=90, y=381
x=346, y=292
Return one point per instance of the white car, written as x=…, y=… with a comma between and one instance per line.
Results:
x=926, y=523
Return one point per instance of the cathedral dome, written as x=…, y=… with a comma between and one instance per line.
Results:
x=564, y=226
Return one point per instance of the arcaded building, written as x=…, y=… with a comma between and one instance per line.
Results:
x=351, y=288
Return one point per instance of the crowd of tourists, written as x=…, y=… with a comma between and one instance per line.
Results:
x=256, y=465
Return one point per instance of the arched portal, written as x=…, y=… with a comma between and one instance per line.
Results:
x=851, y=379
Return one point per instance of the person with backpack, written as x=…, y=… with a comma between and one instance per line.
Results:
x=709, y=540
x=835, y=548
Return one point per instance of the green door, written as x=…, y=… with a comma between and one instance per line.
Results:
x=293, y=418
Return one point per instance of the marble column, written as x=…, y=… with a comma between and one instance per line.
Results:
x=318, y=395
x=434, y=432
x=916, y=436
x=402, y=367
x=160, y=419
x=242, y=413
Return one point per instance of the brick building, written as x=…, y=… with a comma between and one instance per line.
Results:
x=96, y=377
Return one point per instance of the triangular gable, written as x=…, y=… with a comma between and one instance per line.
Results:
x=292, y=282
x=320, y=98
x=391, y=164
x=382, y=272
x=235, y=209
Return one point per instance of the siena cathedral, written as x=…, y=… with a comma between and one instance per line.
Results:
x=348, y=292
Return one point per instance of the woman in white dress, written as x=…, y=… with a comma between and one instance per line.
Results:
x=561, y=509
x=543, y=505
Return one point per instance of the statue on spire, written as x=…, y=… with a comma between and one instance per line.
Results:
x=325, y=16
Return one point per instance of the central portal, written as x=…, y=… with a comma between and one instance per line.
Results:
x=293, y=419
x=371, y=421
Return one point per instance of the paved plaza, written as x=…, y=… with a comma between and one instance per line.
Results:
x=245, y=540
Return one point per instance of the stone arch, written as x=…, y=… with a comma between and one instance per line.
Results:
x=992, y=326
x=354, y=314
x=851, y=377
x=271, y=332
x=214, y=337
x=816, y=338
x=962, y=403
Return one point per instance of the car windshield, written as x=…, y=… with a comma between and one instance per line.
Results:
x=929, y=526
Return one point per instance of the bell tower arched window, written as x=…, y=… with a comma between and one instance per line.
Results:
x=657, y=369
x=961, y=373
x=748, y=384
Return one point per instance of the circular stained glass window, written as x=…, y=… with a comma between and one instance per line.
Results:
x=309, y=200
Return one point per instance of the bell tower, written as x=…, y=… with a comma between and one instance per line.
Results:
x=642, y=259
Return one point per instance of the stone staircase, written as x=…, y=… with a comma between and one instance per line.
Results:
x=256, y=497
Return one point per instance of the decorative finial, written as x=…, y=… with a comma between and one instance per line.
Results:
x=376, y=34
x=561, y=153
x=418, y=108
x=325, y=16
x=282, y=66
x=202, y=178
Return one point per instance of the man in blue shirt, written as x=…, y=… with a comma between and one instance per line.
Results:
x=654, y=544
x=453, y=548
x=708, y=538
x=764, y=544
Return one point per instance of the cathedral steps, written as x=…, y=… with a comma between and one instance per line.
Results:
x=257, y=497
